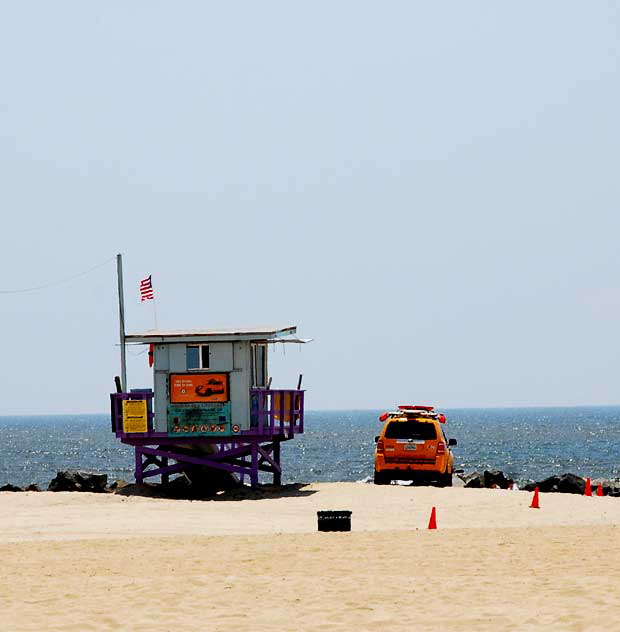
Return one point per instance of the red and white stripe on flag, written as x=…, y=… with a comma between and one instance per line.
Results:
x=146, y=289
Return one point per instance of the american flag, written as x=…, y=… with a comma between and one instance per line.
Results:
x=146, y=289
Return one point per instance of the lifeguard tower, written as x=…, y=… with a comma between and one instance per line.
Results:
x=211, y=407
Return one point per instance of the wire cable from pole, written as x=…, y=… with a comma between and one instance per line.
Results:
x=60, y=282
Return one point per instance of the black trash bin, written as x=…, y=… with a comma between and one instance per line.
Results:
x=334, y=520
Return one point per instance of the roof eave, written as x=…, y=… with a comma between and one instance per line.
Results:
x=169, y=337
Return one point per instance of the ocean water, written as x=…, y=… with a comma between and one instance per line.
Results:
x=525, y=443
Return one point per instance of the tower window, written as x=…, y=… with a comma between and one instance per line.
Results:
x=197, y=357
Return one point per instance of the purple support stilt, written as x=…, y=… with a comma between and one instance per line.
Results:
x=254, y=467
x=277, y=473
x=165, y=477
x=138, y=472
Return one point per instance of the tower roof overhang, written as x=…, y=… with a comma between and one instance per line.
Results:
x=225, y=334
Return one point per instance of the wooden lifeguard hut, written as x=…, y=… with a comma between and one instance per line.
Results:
x=211, y=408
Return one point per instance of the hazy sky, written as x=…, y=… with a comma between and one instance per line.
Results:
x=430, y=190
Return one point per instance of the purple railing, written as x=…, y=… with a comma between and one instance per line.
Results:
x=275, y=412
x=116, y=403
x=272, y=412
x=275, y=416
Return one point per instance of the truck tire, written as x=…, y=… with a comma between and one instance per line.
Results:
x=446, y=480
x=382, y=478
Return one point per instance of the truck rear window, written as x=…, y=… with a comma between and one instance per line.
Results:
x=410, y=429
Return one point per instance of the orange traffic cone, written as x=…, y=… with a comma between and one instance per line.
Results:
x=599, y=490
x=432, y=523
x=535, y=504
x=588, y=491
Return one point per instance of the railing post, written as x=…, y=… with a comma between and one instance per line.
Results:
x=264, y=398
x=272, y=412
x=282, y=409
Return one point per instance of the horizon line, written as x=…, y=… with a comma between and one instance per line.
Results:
x=322, y=410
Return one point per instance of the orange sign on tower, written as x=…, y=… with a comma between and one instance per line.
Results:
x=195, y=388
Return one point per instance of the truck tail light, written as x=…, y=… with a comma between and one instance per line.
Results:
x=380, y=447
x=441, y=448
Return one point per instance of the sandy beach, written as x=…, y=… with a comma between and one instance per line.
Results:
x=107, y=562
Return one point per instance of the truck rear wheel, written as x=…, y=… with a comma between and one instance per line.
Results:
x=445, y=480
x=382, y=478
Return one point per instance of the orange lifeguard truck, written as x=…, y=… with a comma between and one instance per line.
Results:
x=413, y=446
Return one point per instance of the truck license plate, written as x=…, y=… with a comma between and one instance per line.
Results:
x=410, y=447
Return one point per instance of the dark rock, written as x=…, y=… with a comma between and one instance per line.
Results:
x=571, y=484
x=474, y=480
x=10, y=488
x=564, y=484
x=495, y=478
x=73, y=481
x=33, y=487
x=548, y=484
x=489, y=479
x=118, y=484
